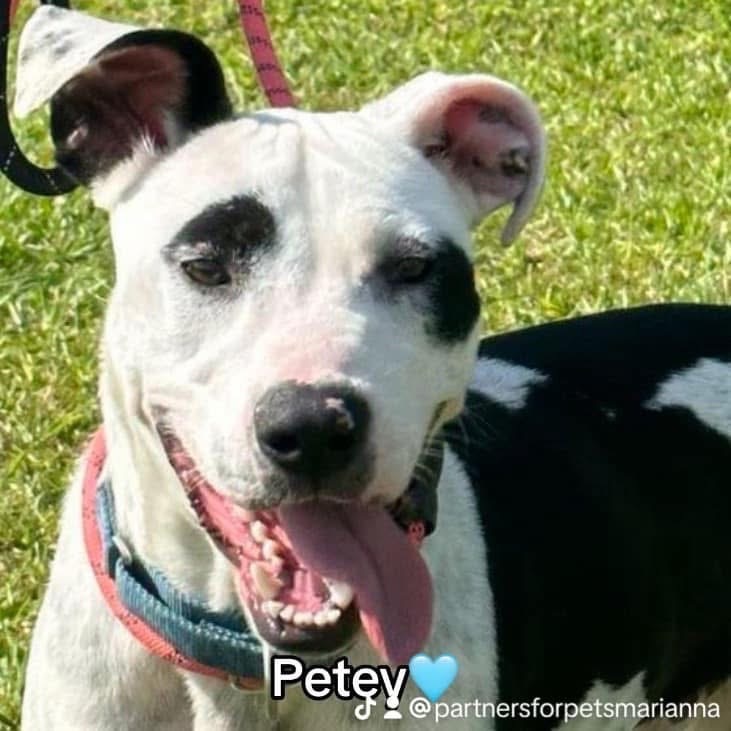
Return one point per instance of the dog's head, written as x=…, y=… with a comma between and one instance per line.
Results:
x=295, y=300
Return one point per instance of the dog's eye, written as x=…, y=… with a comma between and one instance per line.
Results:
x=208, y=272
x=409, y=270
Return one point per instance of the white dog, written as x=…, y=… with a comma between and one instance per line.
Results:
x=293, y=322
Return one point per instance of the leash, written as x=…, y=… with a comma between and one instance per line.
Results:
x=13, y=162
x=25, y=174
x=268, y=69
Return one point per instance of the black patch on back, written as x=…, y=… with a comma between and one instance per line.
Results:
x=607, y=533
x=621, y=355
x=235, y=232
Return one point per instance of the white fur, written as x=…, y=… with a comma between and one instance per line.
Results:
x=704, y=389
x=509, y=384
x=109, y=189
x=298, y=317
x=631, y=693
x=189, y=361
x=55, y=45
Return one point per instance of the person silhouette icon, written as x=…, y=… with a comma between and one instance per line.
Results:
x=392, y=713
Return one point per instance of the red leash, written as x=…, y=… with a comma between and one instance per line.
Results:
x=268, y=69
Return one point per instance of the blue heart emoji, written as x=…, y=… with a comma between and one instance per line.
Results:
x=433, y=676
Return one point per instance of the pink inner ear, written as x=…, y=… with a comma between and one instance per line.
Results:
x=486, y=149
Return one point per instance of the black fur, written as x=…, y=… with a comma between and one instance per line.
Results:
x=233, y=233
x=94, y=125
x=443, y=291
x=606, y=523
x=453, y=304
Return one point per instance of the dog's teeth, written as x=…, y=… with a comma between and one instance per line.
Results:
x=270, y=549
x=266, y=586
x=321, y=618
x=303, y=619
x=243, y=514
x=272, y=608
x=333, y=615
x=287, y=613
x=258, y=531
x=340, y=593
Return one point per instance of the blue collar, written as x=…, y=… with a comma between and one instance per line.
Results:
x=219, y=640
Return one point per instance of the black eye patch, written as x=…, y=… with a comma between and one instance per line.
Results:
x=438, y=280
x=453, y=304
x=234, y=233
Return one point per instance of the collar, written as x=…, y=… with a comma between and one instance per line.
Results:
x=175, y=626
x=178, y=627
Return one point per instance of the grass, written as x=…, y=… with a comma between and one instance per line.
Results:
x=637, y=208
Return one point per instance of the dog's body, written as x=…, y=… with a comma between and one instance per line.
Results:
x=294, y=321
x=599, y=452
x=587, y=478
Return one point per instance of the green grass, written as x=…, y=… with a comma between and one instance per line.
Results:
x=637, y=207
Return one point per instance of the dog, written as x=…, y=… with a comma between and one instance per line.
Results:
x=293, y=376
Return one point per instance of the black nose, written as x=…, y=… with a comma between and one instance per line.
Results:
x=312, y=430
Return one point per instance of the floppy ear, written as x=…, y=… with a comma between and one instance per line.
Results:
x=484, y=134
x=120, y=96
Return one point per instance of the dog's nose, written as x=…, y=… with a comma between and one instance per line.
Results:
x=312, y=430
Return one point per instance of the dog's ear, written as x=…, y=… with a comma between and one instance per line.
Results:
x=484, y=134
x=120, y=96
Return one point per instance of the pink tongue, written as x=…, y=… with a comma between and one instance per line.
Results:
x=364, y=547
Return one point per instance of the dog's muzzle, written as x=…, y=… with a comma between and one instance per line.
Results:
x=311, y=572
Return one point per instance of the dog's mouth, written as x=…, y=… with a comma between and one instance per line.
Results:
x=311, y=574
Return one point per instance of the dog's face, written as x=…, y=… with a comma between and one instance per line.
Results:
x=295, y=296
x=316, y=310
